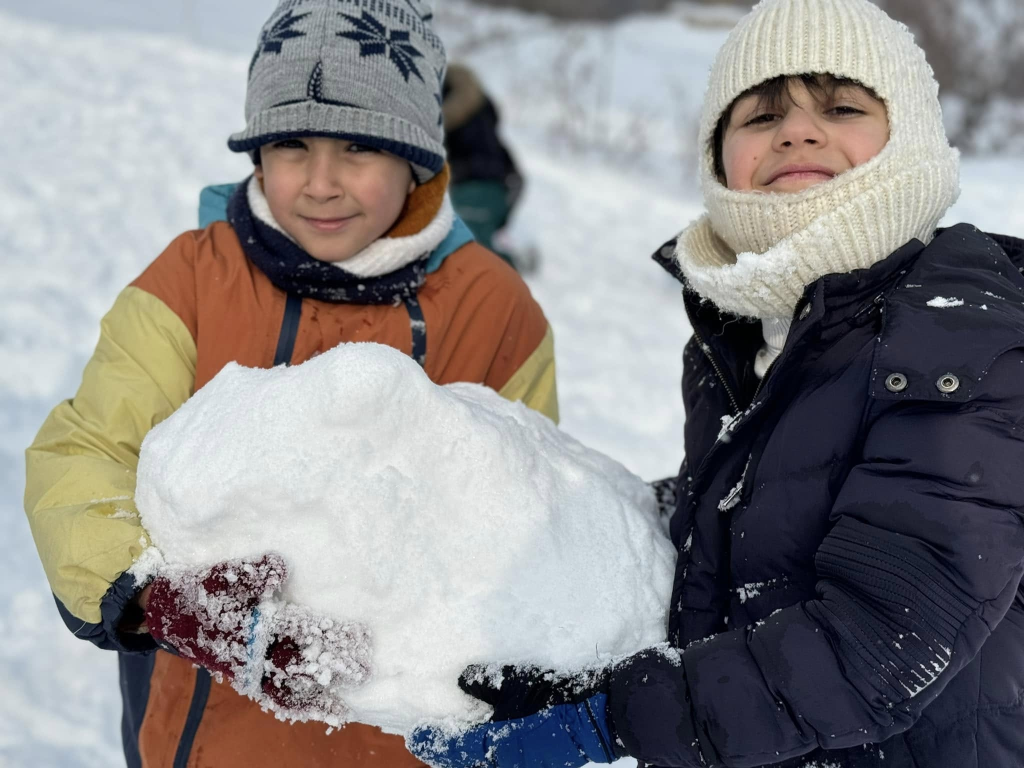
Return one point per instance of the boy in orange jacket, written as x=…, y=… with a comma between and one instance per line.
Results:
x=344, y=233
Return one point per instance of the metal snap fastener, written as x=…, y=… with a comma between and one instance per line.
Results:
x=896, y=382
x=948, y=383
x=806, y=311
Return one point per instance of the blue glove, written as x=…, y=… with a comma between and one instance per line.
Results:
x=540, y=721
x=562, y=736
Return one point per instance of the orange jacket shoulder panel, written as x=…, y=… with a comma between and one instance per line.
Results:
x=172, y=279
x=482, y=321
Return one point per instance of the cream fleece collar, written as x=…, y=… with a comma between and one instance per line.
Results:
x=382, y=256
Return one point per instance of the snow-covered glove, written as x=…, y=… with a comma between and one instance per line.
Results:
x=226, y=619
x=540, y=721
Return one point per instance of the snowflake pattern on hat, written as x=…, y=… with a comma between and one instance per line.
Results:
x=439, y=94
x=273, y=38
x=375, y=39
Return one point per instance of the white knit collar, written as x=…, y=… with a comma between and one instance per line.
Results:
x=775, y=331
x=380, y=257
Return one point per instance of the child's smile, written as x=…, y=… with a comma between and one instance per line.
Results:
x=327, y=225
x=800, y=172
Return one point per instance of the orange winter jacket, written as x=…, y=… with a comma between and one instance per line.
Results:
x=200, y=305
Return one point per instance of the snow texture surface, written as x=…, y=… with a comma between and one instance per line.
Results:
x=456, y=526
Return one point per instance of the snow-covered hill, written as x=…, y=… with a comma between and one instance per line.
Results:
x=109, y=134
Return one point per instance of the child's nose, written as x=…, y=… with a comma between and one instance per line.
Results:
x=797, y=128
x=323, y=180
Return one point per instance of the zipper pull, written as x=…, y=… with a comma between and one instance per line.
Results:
x=876, y=303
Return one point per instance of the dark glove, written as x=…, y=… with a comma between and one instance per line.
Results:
x=517, y=692
x=652, y=713
x=666, y=495
x=226, y=619
x=540, y=720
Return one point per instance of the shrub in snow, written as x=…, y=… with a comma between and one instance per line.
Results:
x=458, y=527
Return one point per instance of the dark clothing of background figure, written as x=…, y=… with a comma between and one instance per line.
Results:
x=485, y=182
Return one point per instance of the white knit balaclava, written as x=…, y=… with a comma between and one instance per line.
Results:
x=753, y=253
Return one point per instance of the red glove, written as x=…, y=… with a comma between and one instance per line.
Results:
x=226, y=619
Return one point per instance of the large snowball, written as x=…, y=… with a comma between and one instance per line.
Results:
x=458, y=526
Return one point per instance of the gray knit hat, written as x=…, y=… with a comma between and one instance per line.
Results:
x=361, y=70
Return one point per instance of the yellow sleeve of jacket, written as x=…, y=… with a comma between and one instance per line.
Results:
x=80, y=470
x=534, y=381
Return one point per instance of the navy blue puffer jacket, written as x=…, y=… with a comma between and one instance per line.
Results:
x=851, y=529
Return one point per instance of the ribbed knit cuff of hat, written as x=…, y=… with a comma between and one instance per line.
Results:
x=389, y=133
x=425, y=222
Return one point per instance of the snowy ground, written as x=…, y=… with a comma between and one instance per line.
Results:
x=108, y=137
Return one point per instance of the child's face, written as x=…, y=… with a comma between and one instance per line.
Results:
x=334, y=197
x=804, y=142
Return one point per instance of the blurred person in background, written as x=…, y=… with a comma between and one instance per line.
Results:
x=486, y=184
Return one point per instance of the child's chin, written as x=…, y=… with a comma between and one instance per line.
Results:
x=332, y=258
x=333, y=253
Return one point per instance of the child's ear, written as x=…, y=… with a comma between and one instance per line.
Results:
x=412, y=185
x=258, y=173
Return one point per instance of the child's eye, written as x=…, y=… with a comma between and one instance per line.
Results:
x=359, y=148
x=845, y=110
x=763, y=119
x=289, y=144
